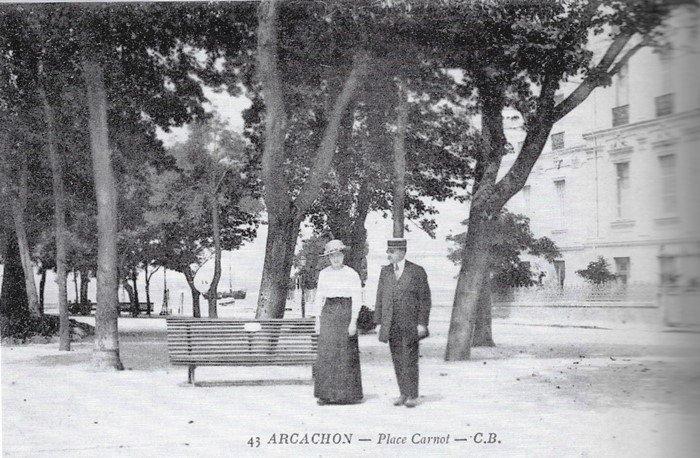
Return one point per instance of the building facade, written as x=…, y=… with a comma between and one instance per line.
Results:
x=620, y=175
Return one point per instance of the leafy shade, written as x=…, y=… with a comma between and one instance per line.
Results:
x=511, y=236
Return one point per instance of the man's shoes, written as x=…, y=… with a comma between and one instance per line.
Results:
x=411, y=402
x=400, y=400
x=321, y=402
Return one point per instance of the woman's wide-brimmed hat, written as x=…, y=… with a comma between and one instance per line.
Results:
x=333, y=246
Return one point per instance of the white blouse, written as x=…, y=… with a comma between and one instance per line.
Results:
x=343, y=282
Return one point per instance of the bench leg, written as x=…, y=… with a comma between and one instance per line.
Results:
x=190, y=374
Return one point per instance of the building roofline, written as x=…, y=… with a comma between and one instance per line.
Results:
x=641, y=124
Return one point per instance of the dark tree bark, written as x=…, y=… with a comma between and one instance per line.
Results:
x=135, y=304
x=19, y=205
x=60, y=228
x=189, y=276
x=84, y=284
x=42, y=288
x=13, y=296
x=106, y=350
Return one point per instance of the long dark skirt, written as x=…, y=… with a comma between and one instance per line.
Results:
x=337, y=375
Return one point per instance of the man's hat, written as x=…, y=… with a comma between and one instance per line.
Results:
x=399, y=244
x=333, y=246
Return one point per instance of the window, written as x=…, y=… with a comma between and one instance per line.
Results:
x=621, y=115
x=664, y=104
x=667, y=267
x=669, y=197
x=560, y=272
x=622, y=87
x=622, y=269
x=558, y=140
x=623, y=189
x=560, y=186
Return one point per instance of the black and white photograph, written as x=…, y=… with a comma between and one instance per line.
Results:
x=348, y=228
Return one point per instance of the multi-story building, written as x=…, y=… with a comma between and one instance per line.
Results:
x=620, y=175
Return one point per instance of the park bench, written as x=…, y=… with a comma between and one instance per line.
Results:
x=196, y=342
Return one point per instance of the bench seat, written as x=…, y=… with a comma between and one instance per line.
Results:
x=196, y=342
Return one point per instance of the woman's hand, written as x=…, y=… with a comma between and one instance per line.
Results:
x=352, y=328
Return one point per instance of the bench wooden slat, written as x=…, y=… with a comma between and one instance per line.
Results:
x=230, y=342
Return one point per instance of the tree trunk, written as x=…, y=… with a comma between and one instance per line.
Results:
x=482, y=325
x=357, y=256
x=475, y=264
x=84, y=283
x=279, y=254
x=106, y=350
x=13, y=296
x=212, y=293
x=42, y=289
x=60, y=228
x=477, y=245
x=19, y=205
x=400, y=163
x=189, y=276
x=75, y=286
x=129, y=292
x=136, y=304
x=147, y=280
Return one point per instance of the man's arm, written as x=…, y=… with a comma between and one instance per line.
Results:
x=378, y=301
x=425, y=300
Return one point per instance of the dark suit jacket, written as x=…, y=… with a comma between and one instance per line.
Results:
x=410, y=296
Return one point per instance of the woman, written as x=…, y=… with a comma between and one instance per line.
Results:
x=337, y=377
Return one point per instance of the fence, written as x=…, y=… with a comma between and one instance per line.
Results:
x=578, y=294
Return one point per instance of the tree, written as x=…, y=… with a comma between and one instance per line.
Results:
x=510, y=238
x=59, y=215
x=287, y=206
x=516, y=55
x=151, y=76
x=205, y=204
x=597, y=272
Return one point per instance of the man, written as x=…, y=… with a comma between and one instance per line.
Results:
x=402, y=311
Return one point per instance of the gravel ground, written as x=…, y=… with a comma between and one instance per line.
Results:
x=542, y=391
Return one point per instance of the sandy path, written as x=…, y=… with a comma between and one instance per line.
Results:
x=544, y=391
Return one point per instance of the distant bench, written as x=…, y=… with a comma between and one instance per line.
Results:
x=125, y=307
x=87, y=309
x=196, y=342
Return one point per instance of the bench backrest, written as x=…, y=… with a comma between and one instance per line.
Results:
x=224, y=341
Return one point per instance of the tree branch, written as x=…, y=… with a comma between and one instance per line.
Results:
x=594, y=78
x=326, y=150
x=276, y=185
x=628, y=55
x=536, y=137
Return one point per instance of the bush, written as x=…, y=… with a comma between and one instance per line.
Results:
x=597, y=272
x=26, y=328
